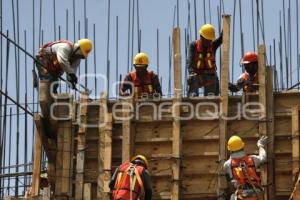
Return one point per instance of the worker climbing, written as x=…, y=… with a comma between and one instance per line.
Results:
x=249, y=79
x=241, y=169
x=201, y=62
x=145, y=82
x=61, y=56
x=131, y=180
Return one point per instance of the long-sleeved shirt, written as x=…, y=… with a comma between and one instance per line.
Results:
x=65, y=56
x=145, y=176
x=258, y=160
x=190, y=62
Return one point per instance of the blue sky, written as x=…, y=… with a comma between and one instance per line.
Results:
x=154, y=14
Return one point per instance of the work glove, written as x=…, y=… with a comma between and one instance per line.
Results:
x=72, y=78
x=262, y=142
x=233, y=87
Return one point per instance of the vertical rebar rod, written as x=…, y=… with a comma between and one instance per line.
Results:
x=285, y=45
x=138, y=25
x=33, y=70
x=128, y=39
x=241, y=28
x=67, y=24
x=280, y=46
x=177, y=13
x=174, y=16
x=9, y=148
x=107, y=49
x=95, y=60
x=117, y=52
x=263, y=21
x=253, y=27
x=257, y=23
x=26, y=115
x=1, y=51
x=297, y=32
x=233, y=42
x=204, y=11
x=275, y=65
x=74, y=20
x=86, y=61
x=54, y=19
x=185, y=54
x=209, y=10
x=290, y=43
x=157, y=51
x=195, y=16
x=132, y=34
x=170, y=66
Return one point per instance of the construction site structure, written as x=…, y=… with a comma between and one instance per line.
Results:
x=183, y=138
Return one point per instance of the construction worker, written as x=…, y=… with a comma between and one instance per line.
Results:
x=201, y=62
x=249, y=79
x=61, y=56
x=44, y=183
x=240, y=169
x=131, y=180
x=145, y=82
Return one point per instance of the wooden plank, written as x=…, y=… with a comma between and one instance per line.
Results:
x=295, y=147
x=81, y=147
x=67, y=155
x=222, y=184
x=177, y=138
x=36, y=171
x=105, y=150
x=87, y=195
x=127, y=130
x=270, y=133
x=263, y=117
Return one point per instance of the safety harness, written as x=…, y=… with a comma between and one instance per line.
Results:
x=129, y=184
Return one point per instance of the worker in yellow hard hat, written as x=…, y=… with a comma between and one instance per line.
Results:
x=141, y=82
x=201, y=62
x=131, y=180
x=241, y=169
x=61, y=56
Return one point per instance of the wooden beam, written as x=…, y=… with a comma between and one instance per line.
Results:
x=222, y=184
x=81, y=147
x=105, y=150
x=295, y=150
x=270, y=132
x=127, y=130
x=177, y=139
x=87, y=192
x=263, y=117
x=36, y=170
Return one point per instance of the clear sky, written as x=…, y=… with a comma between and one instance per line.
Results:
x=154, y=15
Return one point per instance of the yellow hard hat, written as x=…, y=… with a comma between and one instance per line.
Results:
x=141, y=59
x=44, y=175
x=235, y=143
x=141, y=157
x=207, y=31
x=86, y=46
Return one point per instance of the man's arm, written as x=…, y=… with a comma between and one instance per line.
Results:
x=113, y=179
x=147, y=184
x=262, y=156
x=156, y=84
x=190, y=58
x=217, y=42
x=126, y=85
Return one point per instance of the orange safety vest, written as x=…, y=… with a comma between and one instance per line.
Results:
x=129, y=185
x=144, y=85
x=204, y=62
x=50, y=59
x=249, y=88
x=244, y=171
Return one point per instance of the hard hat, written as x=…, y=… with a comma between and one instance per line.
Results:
x=141, y=157
x=44, y=176
x=249, y=57
x=86, y=46
x=141, y=59
x=208, y=32
x=235, y=143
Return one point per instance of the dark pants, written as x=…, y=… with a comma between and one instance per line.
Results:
x=208, y=80
x=45, y=75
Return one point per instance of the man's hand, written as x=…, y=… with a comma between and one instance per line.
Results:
x=263, y=141
x=233, y=87
x=72, y=78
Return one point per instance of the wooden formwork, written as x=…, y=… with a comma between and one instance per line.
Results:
x=183, y=138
